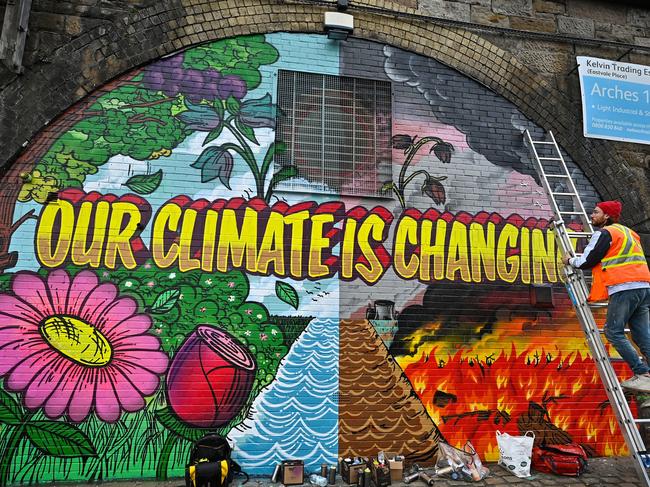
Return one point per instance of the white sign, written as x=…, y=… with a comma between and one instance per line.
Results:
x=615, y=99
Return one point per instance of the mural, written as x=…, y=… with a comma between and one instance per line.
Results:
x=159, y=281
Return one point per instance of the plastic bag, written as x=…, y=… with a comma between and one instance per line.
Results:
x=515, y=452
x=455, y=463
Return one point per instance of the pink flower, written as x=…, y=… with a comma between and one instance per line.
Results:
x=231, y=284
x=72, y=346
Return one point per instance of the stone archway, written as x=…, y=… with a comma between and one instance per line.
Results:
x=111, y=49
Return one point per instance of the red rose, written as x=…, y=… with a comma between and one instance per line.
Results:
x=210, y=378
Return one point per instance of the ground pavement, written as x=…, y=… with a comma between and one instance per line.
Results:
x=609, y=471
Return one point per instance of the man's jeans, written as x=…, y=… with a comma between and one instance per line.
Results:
x=630, y=307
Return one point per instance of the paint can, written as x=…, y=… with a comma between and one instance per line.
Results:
x=276, y=473
x=323, y=470
x=367, y=477
x=332, y=476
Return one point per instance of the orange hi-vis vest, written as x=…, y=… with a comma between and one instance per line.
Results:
x=623, y=262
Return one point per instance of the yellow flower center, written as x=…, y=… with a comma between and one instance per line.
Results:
x=77, y=340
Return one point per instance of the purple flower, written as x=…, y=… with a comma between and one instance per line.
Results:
x=232, y=85
x=258, y=113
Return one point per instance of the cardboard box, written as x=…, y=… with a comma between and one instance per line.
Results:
x=396, y=467
x=293, y=472
x=350, y=473
x=380, y=474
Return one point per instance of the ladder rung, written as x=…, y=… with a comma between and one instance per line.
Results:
x=549, y=158
x=597, y=305
x=602, y=332
x=571, y=213
x=564, y=194
x=557, y=175
x=642, y=421
x=542, y=142
x=579, y=234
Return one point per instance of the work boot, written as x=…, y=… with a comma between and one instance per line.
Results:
x=638, y=382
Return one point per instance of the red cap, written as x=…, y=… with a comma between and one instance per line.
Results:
x=611, y=208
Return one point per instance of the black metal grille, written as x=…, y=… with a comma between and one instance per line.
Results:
x=337, y=131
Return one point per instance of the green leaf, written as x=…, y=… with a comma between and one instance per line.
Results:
x=214, y=134
x=10, y=411
x=388, y=186
x=247, y=131
x=232, y=105
x=165, y=301
x=168, y=419
x=218, y=107
x=145, y=183
x=285, y=172
x=287, y=293
x=59, y=439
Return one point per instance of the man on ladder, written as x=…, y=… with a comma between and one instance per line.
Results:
x=620, y=272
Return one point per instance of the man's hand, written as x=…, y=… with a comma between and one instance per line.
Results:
x=565, y=258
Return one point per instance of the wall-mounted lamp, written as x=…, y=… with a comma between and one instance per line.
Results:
x=339, y=25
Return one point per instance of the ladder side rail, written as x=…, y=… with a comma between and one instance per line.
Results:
x=574, y=190
x=542, y=174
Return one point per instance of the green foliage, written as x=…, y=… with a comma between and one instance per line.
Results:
x=145, y=183
x=10, y=411
x=59, y=439
x=285, y=292
x=130, y=120
x=241, y=56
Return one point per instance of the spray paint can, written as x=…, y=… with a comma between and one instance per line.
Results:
x=366, y=477
x=332, y=476
x=412, y=477
x=424, y=477
x=360, y=476
x=323, y=470
x=276, y=473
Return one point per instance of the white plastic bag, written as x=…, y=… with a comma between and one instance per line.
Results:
x=515, y=452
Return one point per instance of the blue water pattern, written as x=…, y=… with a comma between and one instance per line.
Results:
x=296, y=417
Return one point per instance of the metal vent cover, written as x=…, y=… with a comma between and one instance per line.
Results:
x=337, y=132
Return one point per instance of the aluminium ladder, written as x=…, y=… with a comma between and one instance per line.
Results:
x=568, y=208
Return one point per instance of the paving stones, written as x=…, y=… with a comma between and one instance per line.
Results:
x=602, y=472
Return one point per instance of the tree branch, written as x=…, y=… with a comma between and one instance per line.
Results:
x=27, y=216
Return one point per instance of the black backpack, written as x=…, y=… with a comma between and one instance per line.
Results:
x=210, y=463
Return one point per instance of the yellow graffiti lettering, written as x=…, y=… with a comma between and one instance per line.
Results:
x=54, y=233
x=185, y=260
x=482, y=243
x=234, y=243
x=544, y=256
x=347, y=248
x=82, y=253
x=209, y=237
x=297, y=223
x=507, y=267
x=272, y=247
x=167, y=219
x=407, y=230
x=435, y=251
x=119, y=234
x=373, y=226
x=317, y=244
x=524, y=255
x=458, y=257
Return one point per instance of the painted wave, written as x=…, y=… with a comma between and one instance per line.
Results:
x=296, y=417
